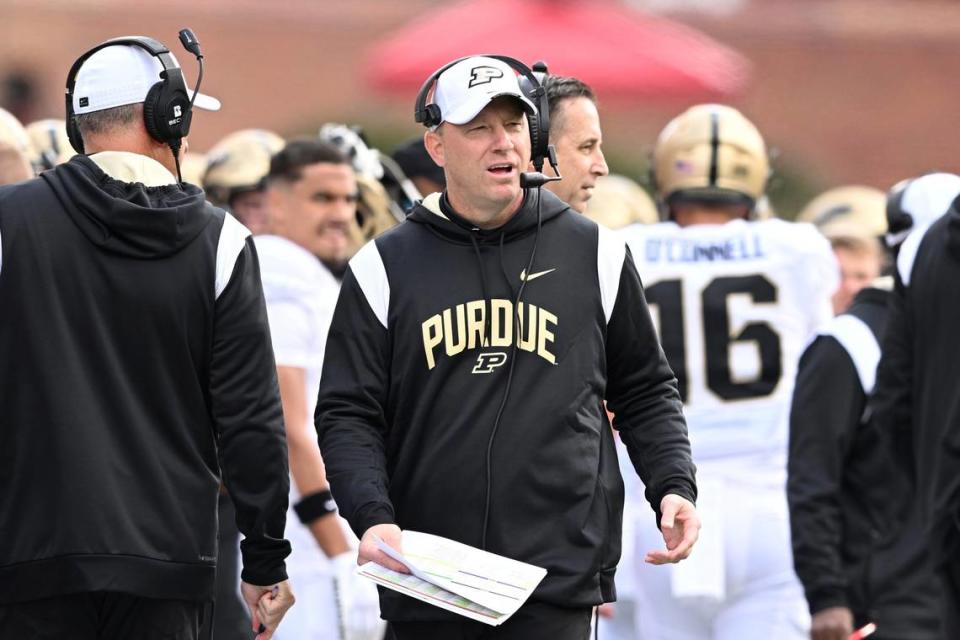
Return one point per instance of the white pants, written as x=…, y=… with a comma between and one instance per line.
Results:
x=739, y=584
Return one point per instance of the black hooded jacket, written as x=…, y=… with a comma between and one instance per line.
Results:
x=435, y=415
x=135, y=359
x=918, y=380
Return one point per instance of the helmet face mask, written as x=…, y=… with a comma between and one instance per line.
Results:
x=710, y=154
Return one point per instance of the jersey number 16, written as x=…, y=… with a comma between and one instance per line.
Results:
x=667, y=295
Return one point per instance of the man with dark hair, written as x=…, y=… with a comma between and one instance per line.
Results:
x=136, y=365
x=313, y=198
x=313, y=195
x=463, y=382
x=575, y=133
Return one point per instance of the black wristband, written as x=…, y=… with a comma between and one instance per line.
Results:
x=315, y=506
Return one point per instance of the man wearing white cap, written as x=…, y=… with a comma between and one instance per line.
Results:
x=467, y=362
x=136, y=365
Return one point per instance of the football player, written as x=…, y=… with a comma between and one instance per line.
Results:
x=235, y=177
x=49, y=143
x=853, y=219
x=736, y=299
x=15, y=150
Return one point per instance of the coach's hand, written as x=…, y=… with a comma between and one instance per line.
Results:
x=370, y=552
x=833, y=623
x=680, y=526
x=267, y=606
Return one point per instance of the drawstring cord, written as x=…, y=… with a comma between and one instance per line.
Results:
x=513, y=361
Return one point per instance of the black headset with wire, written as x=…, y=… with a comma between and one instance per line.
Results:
x=428, y=114
x=168, y=106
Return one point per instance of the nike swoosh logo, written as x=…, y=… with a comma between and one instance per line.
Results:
x=528, y=278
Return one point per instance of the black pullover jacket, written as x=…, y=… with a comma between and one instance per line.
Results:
x=856, y=543
x=134, y=348
x=918, y=380
x=415, y=421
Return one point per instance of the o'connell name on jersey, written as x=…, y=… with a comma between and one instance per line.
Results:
x=463, y=328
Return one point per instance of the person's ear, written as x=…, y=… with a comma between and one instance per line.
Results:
x=433, y=141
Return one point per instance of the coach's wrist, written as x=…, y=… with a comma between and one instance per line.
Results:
x=370, y=516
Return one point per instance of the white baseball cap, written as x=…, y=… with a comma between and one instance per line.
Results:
x=122, y=74
x=467, y=87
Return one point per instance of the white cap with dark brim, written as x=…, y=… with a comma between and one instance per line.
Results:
x=463, y=90
x=119, y=75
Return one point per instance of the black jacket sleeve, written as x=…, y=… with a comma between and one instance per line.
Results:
x=893, y=396
x=350, y=416
x=828, y=404
x=247, y=413
x=642, y=394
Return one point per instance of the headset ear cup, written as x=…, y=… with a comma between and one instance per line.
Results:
x=434, y=117
x=536, y=143
x=73, y=134
x=152, y=111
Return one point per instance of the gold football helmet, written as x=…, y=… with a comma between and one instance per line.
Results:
x=618, y=202
x=240, y=162
x=710, y=152
x=192, y=167
x=49, y=145
x=848, y=211
x=13, y=134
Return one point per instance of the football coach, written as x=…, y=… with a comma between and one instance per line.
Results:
x=135, y=364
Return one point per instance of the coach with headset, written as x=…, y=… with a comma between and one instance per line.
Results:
x=468, y=358
x=136, y=363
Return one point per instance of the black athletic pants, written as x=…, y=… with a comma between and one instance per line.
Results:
x=533, y=621
x=100, y=615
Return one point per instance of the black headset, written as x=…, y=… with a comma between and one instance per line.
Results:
x=167, y=108
x=539, y=123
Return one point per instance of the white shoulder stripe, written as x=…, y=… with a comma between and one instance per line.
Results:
x=371, y=275
x=611, y=252
x=855, y=336
x=233, y=236
x=908, y=252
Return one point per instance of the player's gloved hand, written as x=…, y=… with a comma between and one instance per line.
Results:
x=833, y=623
x=358, y=604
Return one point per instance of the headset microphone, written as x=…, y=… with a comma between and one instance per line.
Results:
x=191, y=44
x=536, y=179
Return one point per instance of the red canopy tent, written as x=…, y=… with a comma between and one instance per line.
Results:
x=619, y=51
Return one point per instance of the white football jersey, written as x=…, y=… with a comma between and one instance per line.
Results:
x=301, y=294
x=735, y=304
